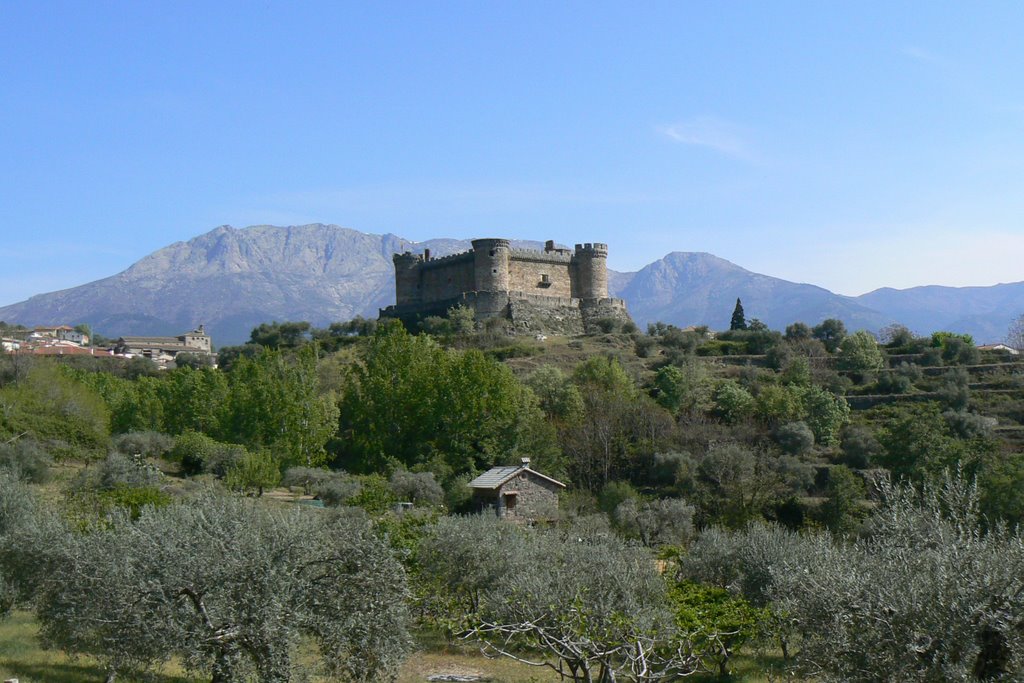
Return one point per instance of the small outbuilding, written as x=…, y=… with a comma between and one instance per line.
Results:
x=516, y=492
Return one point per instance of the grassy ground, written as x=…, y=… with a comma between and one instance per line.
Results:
x=21, y=657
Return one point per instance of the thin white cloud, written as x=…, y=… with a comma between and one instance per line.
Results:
x=920, y=54
x=712, y=133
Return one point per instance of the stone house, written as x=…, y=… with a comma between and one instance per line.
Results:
x=165, y=349
x=516, y=492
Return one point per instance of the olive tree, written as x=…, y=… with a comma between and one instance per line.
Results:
x=582, y=603
x=926, y=595
x=230, y=587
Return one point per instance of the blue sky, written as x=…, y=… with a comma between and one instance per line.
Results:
x=851, y=145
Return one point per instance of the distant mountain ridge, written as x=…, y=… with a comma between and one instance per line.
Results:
x=233, y=279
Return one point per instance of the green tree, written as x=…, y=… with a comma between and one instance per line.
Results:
x=825, y=413
x=845, y=490
x=275, y=402
x=253, y=472
x=409, y=402
x=860, y=355
x=53, y=408
x=830, y=332
x=738, y=321
x=277, y=335
x=193, y=400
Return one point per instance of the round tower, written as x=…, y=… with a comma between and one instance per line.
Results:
x=407, y=278
x=591, y=262
x=490, y=265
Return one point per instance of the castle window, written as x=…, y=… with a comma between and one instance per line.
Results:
x=492, y=252
x=545, y=280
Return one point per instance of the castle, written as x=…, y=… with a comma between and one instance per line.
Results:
x=555, y=290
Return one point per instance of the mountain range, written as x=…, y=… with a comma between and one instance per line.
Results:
x=233, y=279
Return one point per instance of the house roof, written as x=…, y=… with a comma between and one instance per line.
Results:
x=496, y=476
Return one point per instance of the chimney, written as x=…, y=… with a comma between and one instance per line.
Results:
x=549, y=245
x=526, y=462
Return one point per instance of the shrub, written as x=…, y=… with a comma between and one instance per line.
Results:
x=795, y=438
x=668, y=521
x=120, y=471
x=26, y=460
x=148, y=444
x=420, y=488
x=859, y=447
x=309, y=478
x=199, y=454
x=337, y=491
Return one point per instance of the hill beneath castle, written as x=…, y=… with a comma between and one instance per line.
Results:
x=233, y=279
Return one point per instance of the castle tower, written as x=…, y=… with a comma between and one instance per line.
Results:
x=407, y=278
x=490, y=262
x=591, y=263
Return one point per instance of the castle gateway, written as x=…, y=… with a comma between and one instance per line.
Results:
x=556, y=290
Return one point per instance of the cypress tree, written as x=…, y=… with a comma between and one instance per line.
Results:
x=739, y=321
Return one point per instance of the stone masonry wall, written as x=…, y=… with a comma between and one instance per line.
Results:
x=536, y=498
x=527, y=275
x=443, y=279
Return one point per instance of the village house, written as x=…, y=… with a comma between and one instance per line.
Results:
x=165, y=349
x=516, y=492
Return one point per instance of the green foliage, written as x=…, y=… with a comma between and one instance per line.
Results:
x=619, y=427
x=134, y=405
x=55, y=409
x=841, y=512
x=25, y=459
x=193, y=400
x=777, y=404
x=277, y=335
x=830, y=332
x=200, y=454
x=147, y=444
x=669, y=386
x=275, y=403
x=795, y=438
x=738, y=320
x=613, y=494
x=132, y=498
x=735, y=484
x=733, y=403
x=558, y=397
x=825, y=413
x=718, y=620
x=309, y=478
x=253, y=472
x=860, y=447
x=918, y=443
x=410, y=402
x=860, y=355
x=798, y=332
